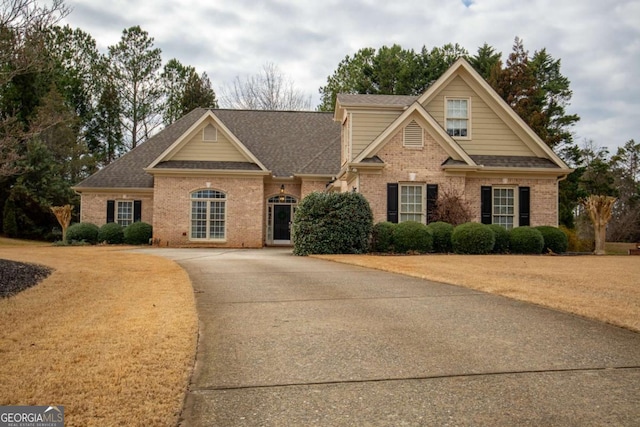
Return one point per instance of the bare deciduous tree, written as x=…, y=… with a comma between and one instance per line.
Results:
x=267, y=90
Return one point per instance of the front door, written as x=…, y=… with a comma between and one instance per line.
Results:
x=282, y=222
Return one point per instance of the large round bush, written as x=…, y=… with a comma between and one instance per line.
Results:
x=441, y=232
x=111, y=233
x=554, y=239
x=332, y=223
x=526, y=240
x=82, y=232
x=412, y=236
x=382, y=237
x=472, y=238
x=501, y=246
x=138, y=233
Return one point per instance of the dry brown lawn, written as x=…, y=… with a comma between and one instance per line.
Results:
x=109, y=334
x=605, y=288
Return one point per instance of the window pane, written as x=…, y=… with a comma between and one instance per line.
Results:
x=504, y=207
x=411, y=203
x=124, y=213
x=198, y=220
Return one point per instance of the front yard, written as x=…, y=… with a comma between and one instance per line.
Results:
x=606, y=288
x=110, y=335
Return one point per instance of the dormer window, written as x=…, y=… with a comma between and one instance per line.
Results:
x=457, y=117
x=209, y=133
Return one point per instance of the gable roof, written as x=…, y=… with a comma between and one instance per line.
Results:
x=285, y=142
x=459, y=155
x=128, y=170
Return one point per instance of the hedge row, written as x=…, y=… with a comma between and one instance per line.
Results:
x=469, y=238
x=137, y=233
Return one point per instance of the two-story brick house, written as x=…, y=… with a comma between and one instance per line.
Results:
x=233, y=178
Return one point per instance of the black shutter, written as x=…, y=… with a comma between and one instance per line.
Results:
x=137, y=210
x=111, y=210
x=432, y=200
x=524, y=201
x=486, y=194
x=392, y=202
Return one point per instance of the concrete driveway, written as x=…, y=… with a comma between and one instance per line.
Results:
x=292, y=341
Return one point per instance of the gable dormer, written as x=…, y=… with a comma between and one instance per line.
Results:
x=364, y=118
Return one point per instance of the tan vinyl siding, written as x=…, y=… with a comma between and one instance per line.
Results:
x=221, y=150
x=489, y=134
x=365, y=127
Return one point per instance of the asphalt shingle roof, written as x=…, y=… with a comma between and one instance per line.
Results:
x=507, y=162
x=382, y=100
x=286, y=142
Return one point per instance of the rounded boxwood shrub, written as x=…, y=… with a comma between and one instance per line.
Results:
x=332, y=223
x=526, y=240
x=83, y=232
x=111, y=233
x=472, y=238
x=501, y=246
x=382, y=237
x=441, y=232
x=138, y=233
x=412, y=236
x=554, y=239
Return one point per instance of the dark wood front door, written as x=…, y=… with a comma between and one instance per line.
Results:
x=281, y=222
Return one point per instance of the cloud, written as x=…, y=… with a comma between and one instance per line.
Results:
x=598, y=42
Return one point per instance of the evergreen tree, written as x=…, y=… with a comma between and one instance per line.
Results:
x=134, y=64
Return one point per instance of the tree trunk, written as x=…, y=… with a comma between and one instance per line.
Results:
x=599, y=209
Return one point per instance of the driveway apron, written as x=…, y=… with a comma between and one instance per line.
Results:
x=297, y=341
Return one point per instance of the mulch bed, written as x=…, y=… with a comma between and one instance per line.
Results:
x=18, y=276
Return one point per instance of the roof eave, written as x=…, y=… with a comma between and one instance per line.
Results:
x=112, y=189
x=176, y=171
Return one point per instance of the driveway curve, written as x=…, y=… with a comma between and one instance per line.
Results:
x=296, y=341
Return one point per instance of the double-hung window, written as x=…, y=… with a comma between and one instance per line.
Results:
x=124, y=212
x=208, y=215
x=457, y=117
x=504, y=207
x=411, y=203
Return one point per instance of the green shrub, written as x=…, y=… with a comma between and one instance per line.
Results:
x=83, y=232
x=472, y=238
x=382, y=237
x=332, y=223
x=138, y=233
x=441, y=232
x=526, y=240
x=501, y=246
x=412, y=236
x=111, y=233
x=554, y=239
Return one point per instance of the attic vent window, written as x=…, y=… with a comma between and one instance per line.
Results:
x=413, y=135
x=210, y=133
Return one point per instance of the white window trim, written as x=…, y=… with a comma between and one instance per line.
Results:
x=423, y=196
x=446, y=109
x=116, y=213
x=516, y=203
x=208, y=220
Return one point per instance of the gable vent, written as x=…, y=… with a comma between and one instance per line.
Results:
x=413, y=135
x=210, y=133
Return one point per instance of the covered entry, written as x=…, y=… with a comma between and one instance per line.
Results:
x=280, y=210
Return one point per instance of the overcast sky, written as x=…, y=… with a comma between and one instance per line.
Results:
x=598, y=41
